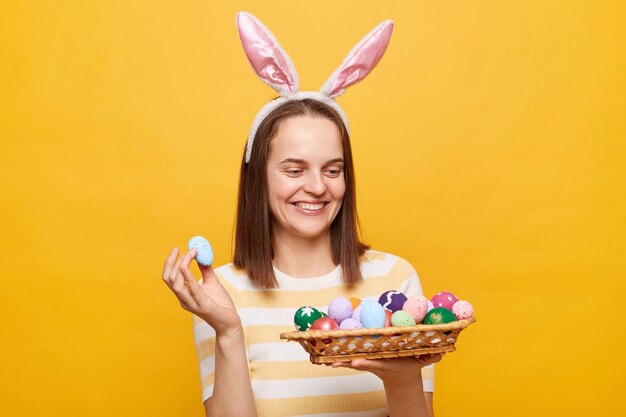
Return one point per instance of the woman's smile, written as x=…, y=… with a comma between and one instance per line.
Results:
x=310, y=209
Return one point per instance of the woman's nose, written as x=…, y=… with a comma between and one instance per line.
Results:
x=315, y=184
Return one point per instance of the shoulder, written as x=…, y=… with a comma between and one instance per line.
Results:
x=394, y=270
x=376, y=262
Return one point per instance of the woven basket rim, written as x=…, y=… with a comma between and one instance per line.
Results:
x=386, y=331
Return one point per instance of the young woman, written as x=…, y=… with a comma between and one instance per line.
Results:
x=296, y=244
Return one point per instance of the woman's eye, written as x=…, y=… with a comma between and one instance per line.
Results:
x=333, y=172
x=294, y=171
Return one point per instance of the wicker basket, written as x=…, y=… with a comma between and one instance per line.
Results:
x=326, y=346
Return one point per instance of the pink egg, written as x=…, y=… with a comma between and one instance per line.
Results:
x=462, y=310
x=444, y=299
x=416, y=306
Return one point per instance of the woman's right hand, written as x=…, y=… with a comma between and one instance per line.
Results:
x=207, y=300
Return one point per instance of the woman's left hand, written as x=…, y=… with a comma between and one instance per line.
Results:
x=393, y=370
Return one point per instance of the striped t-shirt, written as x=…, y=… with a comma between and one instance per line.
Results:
x=284, y=381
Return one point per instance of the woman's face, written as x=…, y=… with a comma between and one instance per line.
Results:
x=305, y=177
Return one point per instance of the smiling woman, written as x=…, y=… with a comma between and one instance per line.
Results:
x=304, y=178
x=296, y=243
x=301, y=156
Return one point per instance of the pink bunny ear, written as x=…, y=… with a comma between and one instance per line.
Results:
x=268, y=59
x=360, y=61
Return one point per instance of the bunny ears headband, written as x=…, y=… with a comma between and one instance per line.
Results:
x=272, y=64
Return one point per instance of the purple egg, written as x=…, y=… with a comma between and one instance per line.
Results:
x=444, y=299
x=350, y=324
x=356, y=314
x=392, y=300
x=340, y=309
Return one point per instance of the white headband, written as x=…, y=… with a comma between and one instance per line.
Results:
x=272, y=64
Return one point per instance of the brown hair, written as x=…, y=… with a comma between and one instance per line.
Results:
x=253, y=231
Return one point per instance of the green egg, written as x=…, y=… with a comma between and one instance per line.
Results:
x=402, y=318
x=305, y=316
x=439, y=315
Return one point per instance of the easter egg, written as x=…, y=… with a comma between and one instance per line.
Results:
x=392, y=300
x=462, y=310
x=444, y=299
x=430, y=306
x=340, y=309
x=439, y=315
x=355, y=302
x=372, y=315
x=350, y=324
x=324, y=323
x=416, y=306
x=356, y=314
x=388, y=318
x=402, y=318
x=305, y=316
x=205, y=252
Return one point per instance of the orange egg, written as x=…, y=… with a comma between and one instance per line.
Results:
x=355, y=302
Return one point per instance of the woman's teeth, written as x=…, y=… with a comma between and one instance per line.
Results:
x=309, y=206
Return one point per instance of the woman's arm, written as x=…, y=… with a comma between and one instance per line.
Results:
x=232, y=393
x=231, y=396
x=429, y=402
x=407, y=399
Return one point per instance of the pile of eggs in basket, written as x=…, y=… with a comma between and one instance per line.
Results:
x=392, y=309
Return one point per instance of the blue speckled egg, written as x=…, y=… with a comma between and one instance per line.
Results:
x=205, y=252
x=372, y=315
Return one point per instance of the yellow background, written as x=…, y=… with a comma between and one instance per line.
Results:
x=489, y=148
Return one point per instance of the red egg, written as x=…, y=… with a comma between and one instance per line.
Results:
x=324, y=323
x=388, y=315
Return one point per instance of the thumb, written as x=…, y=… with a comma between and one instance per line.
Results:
x=206, y=270
x=208, y=274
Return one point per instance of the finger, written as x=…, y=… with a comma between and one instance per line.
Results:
x=366, y=364
x=169, y=264
x=341, y=364
x=174, y=271
x=193, y=287
x=177, y=281
x=176, y=275
x=208, y=274
x=425, y=360
x=183, y=294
